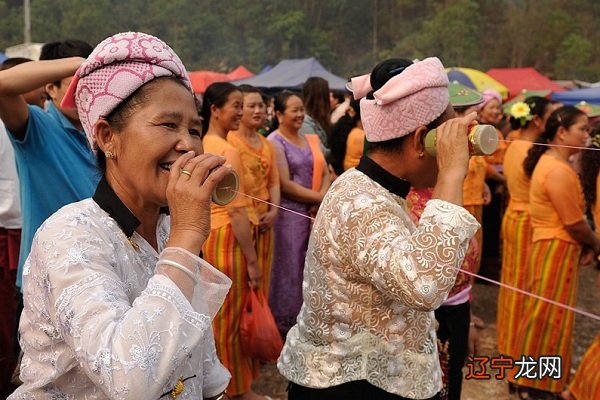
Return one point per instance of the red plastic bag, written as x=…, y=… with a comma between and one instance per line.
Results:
x=259, y=334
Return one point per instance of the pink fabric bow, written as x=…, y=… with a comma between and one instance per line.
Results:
x=117, y=67
x=415, y=97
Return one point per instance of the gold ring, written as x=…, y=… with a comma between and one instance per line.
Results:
x=188, y=173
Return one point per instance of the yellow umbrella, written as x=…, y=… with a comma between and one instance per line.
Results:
x=476, y=79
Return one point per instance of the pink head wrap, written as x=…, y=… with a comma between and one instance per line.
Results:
x=117, y=67
x=415, y=97
x=488, y=95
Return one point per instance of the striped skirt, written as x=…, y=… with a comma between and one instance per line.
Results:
x=223, y=251
x=516, y=245
x=586, y=384
x=264, y=253
x=545, y=329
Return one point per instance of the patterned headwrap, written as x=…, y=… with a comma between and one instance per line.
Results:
x=417, y=96
x=117, y=67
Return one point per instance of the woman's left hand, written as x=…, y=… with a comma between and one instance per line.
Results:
x=267, y=220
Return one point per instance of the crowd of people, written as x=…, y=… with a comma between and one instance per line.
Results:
x=120, y=278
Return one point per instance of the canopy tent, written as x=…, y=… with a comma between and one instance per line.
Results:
x=202, y=79
x=2, y=57
x=476, y=79
x=291, y=74
x=519, y=79
x=591, y=95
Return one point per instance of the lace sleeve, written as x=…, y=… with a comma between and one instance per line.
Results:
x=417, y=268
x=128, y=349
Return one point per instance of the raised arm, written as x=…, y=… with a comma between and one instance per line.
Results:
x=23, y=78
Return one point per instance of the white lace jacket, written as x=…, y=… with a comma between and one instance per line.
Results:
x=99, y=322
x=371, y=282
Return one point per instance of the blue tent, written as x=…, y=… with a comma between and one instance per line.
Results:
x=2, y=57
x=291, y=74
x=591, y=95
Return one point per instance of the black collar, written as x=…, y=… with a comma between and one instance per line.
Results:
x=392, y=183
x=108, y=200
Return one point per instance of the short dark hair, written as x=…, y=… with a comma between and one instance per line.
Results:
x=13, y=61
x=217, y=94
x=65, y=49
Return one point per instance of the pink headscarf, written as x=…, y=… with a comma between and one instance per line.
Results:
x=488, y=95
x=415, y=97
x=117, y=67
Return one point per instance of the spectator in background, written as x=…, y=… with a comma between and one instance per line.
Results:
x=55, y=163
x=339, y=102
x=10, y=240
x=315, y=97
x=304, y=179
x=347, y=139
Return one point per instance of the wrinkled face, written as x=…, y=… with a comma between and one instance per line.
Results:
x=229, y=116
x=255, y=111
x=578, y=134
x=293, y=115
x=491, y=113
x=162, y=128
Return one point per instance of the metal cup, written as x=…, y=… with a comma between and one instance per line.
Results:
x=483, y=140
x=227, y=189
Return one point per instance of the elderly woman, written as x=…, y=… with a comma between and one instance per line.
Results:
x=117, y=302
x=372, y=277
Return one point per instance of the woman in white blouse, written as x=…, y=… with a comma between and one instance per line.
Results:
x=372, y=278
x=118, y=304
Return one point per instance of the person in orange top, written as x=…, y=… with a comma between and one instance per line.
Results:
x=586, y=383
x=230, y=246
x=490, y=113
x=561, y=235
x=260, y=176
x=528, y=119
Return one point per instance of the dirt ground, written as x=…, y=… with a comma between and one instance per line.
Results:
x=484, y=305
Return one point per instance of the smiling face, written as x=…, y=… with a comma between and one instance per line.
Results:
x=229, y=115
x=162, y=126
x=293, y=115
x=491, y=113
x=254, y=111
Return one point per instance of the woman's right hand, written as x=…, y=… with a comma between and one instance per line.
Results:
x=453, y=145
x=192, y=180
x=254, y=274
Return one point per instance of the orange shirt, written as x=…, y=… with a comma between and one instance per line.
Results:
x=518, y=183
x=555, y=199
x=473, y=185
x=355, y=144
x=259, y=169
x=219, y=215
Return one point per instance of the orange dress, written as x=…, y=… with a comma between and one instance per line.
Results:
x=556, y=201
x=355, y=144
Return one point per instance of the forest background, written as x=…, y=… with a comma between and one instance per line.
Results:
x=347, y=36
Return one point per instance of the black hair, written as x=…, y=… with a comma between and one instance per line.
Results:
x=250, y=89
x=590, y=167
x=566, y=117
x=280, y=104
x=339, y=135
x=340, y=95
x=217, y=94
x=315, y=96
x=13, y=61
x=538, y=106
x=65, y=49
x=120, y=115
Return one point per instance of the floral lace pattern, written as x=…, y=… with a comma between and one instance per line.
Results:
x=100, y=321
x=371, y=282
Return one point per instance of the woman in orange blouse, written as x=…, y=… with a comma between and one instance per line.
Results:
x=560, y=236
x=230, y=246
x=586, y=384
x=260, y=176
x=516, y=226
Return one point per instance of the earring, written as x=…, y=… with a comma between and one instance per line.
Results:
x=421, y=155
x=109, y=154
